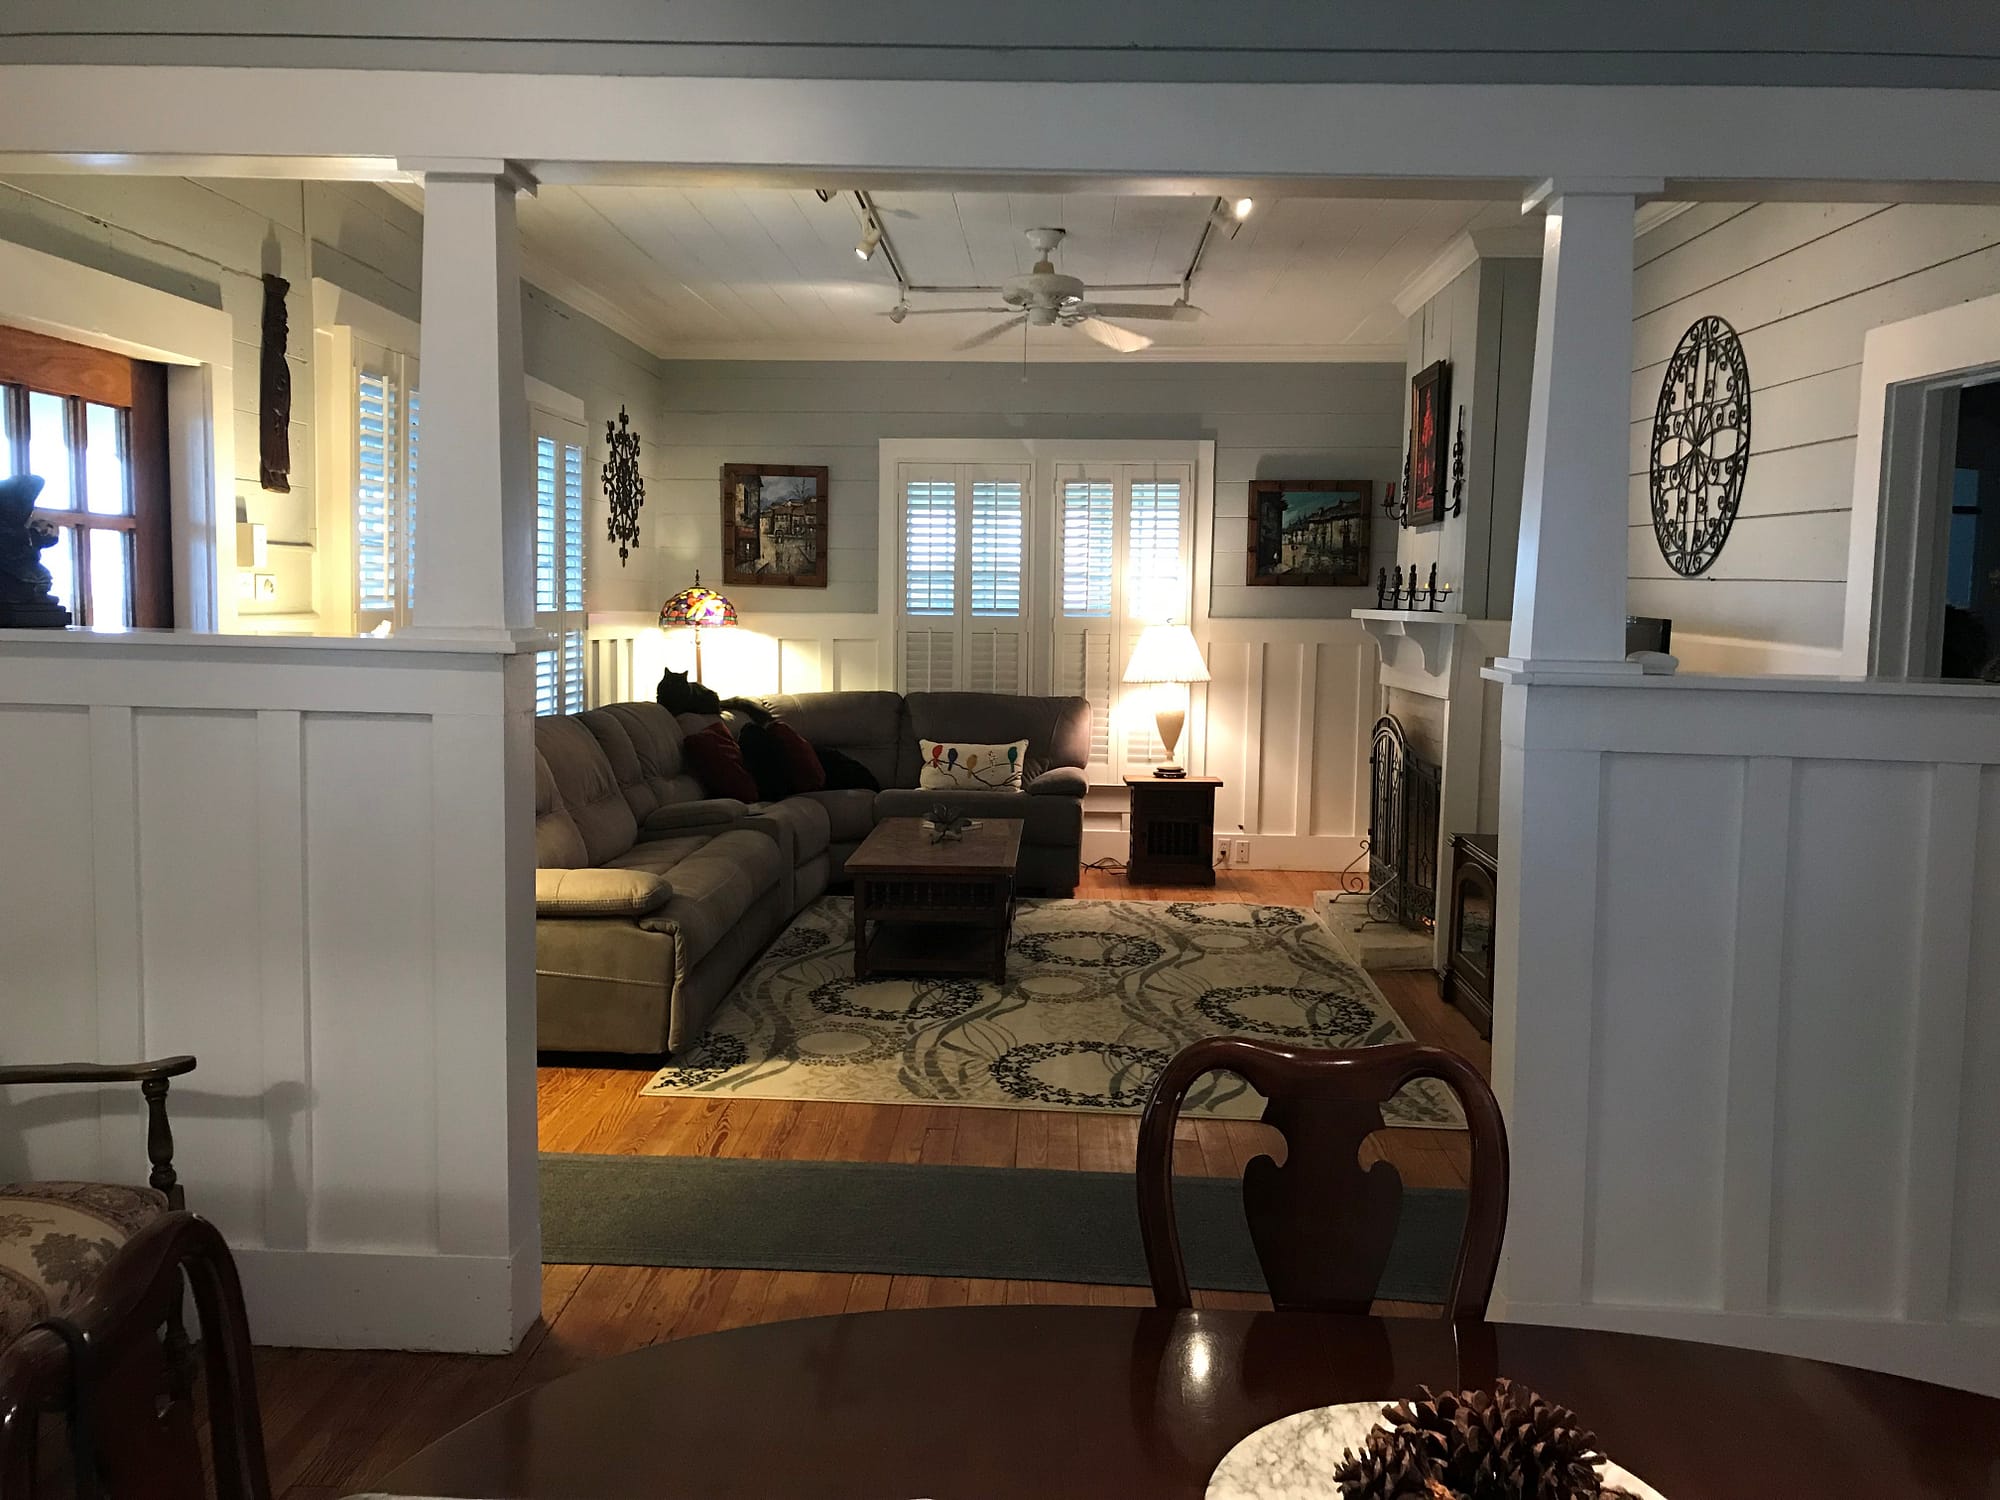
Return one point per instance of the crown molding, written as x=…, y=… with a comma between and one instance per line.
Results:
x=1516, y=241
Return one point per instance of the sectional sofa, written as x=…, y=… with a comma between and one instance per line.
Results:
x=651, y=897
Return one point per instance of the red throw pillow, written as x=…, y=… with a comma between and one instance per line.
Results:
x=802, y=767
x=717, y=763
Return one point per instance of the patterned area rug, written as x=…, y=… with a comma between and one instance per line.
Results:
x=1099, y=995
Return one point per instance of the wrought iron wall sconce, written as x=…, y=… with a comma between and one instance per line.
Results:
x=1457, y=468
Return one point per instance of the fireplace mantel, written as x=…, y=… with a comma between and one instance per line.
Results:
x=1417, y=646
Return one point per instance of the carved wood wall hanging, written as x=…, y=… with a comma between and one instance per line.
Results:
x=1701, y=446
x=274, y=392
x=623, y=488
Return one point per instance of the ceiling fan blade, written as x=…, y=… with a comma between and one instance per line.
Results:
x=1158, y=312
x=1124, y=340
x=920, y=312
x=987, y=336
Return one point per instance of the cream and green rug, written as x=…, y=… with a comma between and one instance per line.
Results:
x=1099, y=995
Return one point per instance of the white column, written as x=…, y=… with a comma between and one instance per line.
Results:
x=1569, y=578
x=475, y=504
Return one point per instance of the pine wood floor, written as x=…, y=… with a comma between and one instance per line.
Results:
x=337, y=1420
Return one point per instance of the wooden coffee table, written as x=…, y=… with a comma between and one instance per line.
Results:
x=927, y=908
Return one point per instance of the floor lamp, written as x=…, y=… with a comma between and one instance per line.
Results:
x=697, y=608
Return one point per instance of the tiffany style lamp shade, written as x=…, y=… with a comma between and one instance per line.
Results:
x=697, y=608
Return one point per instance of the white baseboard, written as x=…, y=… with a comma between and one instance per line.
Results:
x=1268, y=851
x=1957, y=1354
x=330, y=1299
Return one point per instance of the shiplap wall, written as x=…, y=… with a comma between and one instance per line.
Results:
x=1298, y=421
x=1802, y=283
x=212, y=240
x=1484, y=323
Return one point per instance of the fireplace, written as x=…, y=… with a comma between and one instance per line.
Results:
x=1404, y=789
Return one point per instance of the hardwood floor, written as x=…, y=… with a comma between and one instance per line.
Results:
x=337, y=1420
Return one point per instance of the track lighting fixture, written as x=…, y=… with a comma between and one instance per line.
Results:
x=1228, y=214
x=871, y=236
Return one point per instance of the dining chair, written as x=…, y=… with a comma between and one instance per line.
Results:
x=1322, y=1224
x=105, y=1368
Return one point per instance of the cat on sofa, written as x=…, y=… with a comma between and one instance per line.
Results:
x=679, y=695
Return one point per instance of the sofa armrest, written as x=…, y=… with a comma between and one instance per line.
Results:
x=692, y=817
x=1058, y=781
x=599, y=893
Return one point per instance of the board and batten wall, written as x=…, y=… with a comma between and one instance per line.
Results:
x=212, y=240
x=1284, y=721
x=1802, y=283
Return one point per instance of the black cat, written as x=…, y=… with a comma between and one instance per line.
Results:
x=678, y=695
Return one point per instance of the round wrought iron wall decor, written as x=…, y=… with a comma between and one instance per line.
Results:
x=1701, y=446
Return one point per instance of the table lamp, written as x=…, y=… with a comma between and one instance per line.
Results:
x=1167, y=654
x=698, y=609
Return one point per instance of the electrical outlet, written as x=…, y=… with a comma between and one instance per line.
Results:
x=1221, y=853
x=1239, y=853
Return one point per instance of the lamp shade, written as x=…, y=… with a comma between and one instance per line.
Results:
x=702, y=608
x=1166, y=653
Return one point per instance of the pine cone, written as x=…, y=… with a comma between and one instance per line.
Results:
x=1508, y=1444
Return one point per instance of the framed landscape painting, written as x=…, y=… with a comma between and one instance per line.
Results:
x=774, y=525
x=1430, y=396
x=1309, y=531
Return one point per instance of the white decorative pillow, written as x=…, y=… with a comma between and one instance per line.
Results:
x=951, y=766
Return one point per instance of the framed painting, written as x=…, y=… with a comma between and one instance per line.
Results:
x=774, y=525
x=1311, y=532
x=1429, y=472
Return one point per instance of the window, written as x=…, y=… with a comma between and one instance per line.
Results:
x=1111, y=542
x=93, y=425
x=559, y=560
x=387, y=408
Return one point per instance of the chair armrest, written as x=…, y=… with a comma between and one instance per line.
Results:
x=692, y=817
x=1058, y=781
x=599, y=893
x=135, y=1072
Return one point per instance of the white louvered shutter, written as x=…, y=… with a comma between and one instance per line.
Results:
x=1086, y=624
x=559, y=679
x=929, y=619
x=377, y=558
x=995, y=634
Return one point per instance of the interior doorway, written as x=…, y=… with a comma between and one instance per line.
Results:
x=1970, y=608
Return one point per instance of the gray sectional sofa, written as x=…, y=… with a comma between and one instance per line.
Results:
x=651, y=897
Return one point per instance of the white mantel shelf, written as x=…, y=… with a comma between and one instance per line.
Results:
x=1432, y=631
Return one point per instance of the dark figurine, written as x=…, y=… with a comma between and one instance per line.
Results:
x=1382, y=599
x=1431, y=589
x=24, y=583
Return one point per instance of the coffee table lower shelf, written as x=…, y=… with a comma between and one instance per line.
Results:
x=927, y=945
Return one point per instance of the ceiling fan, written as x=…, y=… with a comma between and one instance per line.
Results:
x=1046, y=298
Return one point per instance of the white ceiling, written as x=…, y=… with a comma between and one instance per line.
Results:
x=770, y=273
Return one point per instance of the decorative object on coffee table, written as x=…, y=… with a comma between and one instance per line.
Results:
x=1309, y=531
x=1173, y=830
x=934, y=908
x=624, y=490
x=697, y=609
x=1503, y=1444
x=1167, y=658
x=947, y=824
x=25, y=599
x=774, y=524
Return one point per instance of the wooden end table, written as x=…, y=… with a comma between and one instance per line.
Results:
x=1173, y=830
x=928, y=908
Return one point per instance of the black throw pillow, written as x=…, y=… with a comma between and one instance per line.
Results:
x=844, y=773
x=766, y=759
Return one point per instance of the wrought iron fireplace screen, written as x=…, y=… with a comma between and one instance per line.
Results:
x=1402, y=830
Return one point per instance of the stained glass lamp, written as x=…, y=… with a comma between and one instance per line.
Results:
x=698, y=609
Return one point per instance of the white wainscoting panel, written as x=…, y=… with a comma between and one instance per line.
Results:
x=1747, y=1022
x=299, y=861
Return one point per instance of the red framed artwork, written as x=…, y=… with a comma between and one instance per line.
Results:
x=1430, y=399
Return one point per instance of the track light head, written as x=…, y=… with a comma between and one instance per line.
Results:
x=1242, y=206
x=899, y=312
x=1228, y=214
x=871, y=236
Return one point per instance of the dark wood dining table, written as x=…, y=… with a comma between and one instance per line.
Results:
x=1099, y=1403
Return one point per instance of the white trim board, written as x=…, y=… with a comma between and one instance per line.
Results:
x=1901, y=365
x=58, y=297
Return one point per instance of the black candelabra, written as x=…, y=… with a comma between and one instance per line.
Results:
x=1392, y=592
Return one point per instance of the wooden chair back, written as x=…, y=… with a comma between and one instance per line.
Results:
x=1321, y=1223
x=113, y=1382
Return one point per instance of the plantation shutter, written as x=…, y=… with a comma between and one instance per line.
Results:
x=1086, y=638
x=996, y=654
x=386, y=412
x=559, y=680
x=929, y=626
x=963, y=618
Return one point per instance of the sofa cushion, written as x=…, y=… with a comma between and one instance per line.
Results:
x=717, y=761
x=850, y=814
x=714, y=886
x=780, y=759
x=557, y=840
x=870, y=727
x=643, y=743
x=598, y=893
x=658, y=856
x=1058, y=781
x=1045, y=820
x=1057, y=729
x=55, y=1237
x=804, y=819
x=703, y=814
x=951, y=765
x=588, y=789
